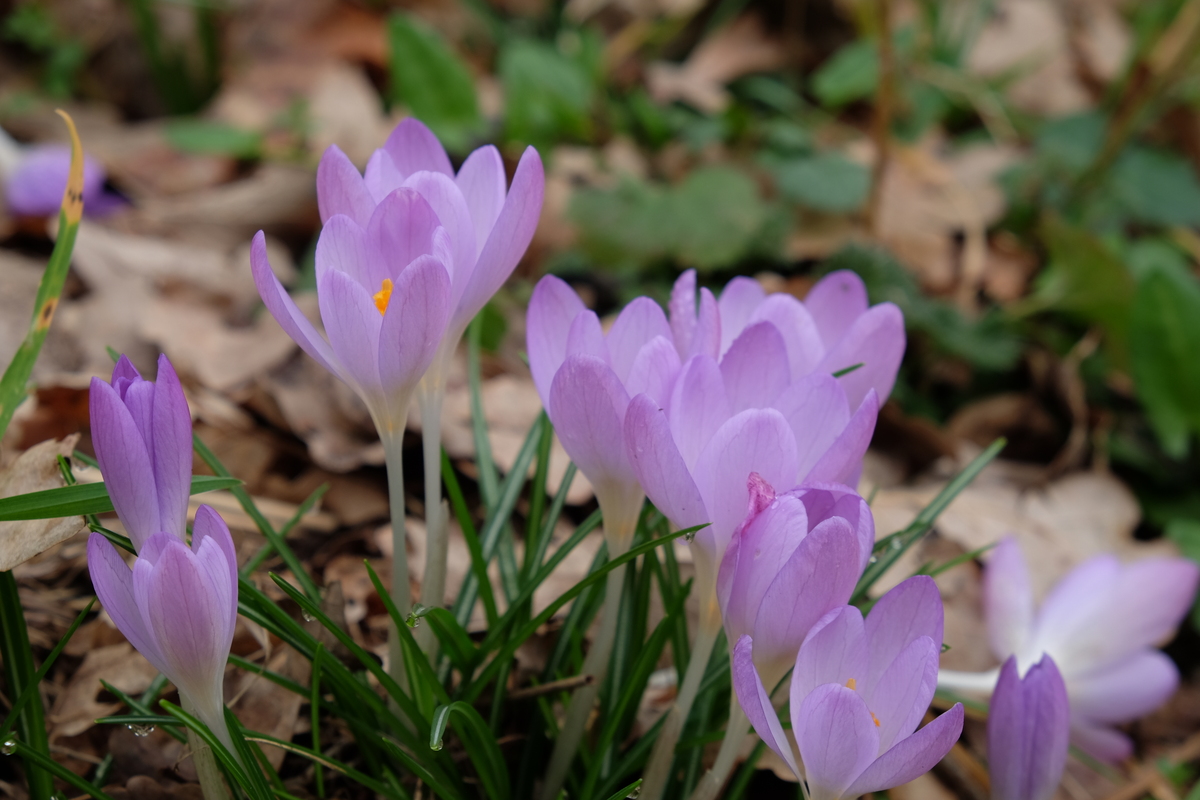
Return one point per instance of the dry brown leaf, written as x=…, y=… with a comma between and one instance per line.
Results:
x=77, y=707
x=344, y=109
x=267, y=707
x=34, y=471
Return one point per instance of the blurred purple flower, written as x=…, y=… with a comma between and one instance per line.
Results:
x=858, y=692
x=35, y=187
x=795, y=558
x=1028, y=732
x=142, y=434
x=1100, y=625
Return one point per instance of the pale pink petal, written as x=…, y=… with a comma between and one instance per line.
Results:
x=755, y=370
x=659, y=466
x=483, y=183
x=911, y=758
x=875, y=340
x=699, y=406
x=346, y=247
x=1126, y=690
x=638, y=323
x=740, y=297
x=414, y=148
x=835, y=302
x=552, y=308
x=654, y=370
x=804, y=347
x=412, y=329
x=838, y=740
x=754, y=700
x=340, y=189
x=1007, y=599
x=352, y=322
x=817, y=412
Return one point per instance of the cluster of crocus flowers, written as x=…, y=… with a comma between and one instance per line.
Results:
x=178, y=605
x=859, y=689
x=1100, y=624
x=1028, y=729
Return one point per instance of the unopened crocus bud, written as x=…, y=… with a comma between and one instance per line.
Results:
x=142, y=434
x=35, y=186
x=796, y=557
x=858, y=692
x=1029, y=725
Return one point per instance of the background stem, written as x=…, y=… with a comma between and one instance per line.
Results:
x=735, y=733
x=393, y=449
x=433, y=583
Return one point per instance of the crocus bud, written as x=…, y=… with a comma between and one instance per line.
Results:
x=795, y=558
x=1028, y=732
x=858, y=692
x=142, y=434
x=35, y=186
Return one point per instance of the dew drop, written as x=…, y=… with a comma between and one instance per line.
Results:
x=308, y=617
x=691, y=537
x=414, y=617
x=635, y=793
x=9, y=747
x=141, y=731
x=436, y=746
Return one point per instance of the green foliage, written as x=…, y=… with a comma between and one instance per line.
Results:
x=826, y=182
x=186, y=74
x=30, y=25
x=432, y=82
x=84, y=498
x=548, y=97
x=850, y=74
x=1156, y=187
x=216, y=138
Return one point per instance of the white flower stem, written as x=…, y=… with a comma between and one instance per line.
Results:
x=735, y=733
x=212, y=782
x=658, y=769
x=433, y=584
x=393, y=450
x=981, y=683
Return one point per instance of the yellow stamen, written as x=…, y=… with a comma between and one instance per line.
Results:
x=875, y=718
x=851, y=684
x=383, y=296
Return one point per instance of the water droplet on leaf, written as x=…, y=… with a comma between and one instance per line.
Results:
x=308, y=617
x=141, y=731
x=436, y=746
x=414, y=617
x=9, y=747
x=691, y=537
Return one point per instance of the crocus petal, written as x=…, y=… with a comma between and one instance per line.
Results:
x=756, y=440
x=836, y=500
x=838, y=740
x=638, y=323
x=450, y=206
x=352, y=322
x=755, y=369
x=209, y=525
x=1126, y=690
x=804, y=347
x=842, y=462
x=706, y=338
x=587, y=404
x=139, y=399
x=483, y=184
x=552, y=308
x=654, y=370
x=124, y=370
x=401, y=229
x=171, y=449
x=1028, y=725
x=902, y=694
x=1150, y=600
x=414, y=148
x=586, y=337
x=909, y=611
x=816, y=409
x=284, y=309
x=340, y=189
x=659, y=466
x=411, y=329
x=35, y=186
x=834, y=651
x=754, y=700
x=510, y=236
x=124, y=462
x=1100, y=742
x=113, y=581
x=381, y=176
x=346, y=247
x=835, y=302
x=1007, y=599
x=738, y=300
x=912, y=757
x=875, y=340
x=682, y=308
x=699, y=406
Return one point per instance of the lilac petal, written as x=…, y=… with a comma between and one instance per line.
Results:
x=902, y=694
x=1100, y=742
x=638, y=323
x=126, y=371
x=284, y=309
x=171, y=449
x=1150, y=600
x=552, y=308
x=124, y=462
x=659, y=466
x=1074, y=605
x=139, y=399
x=842, y=462
x=414, y=148
x=586, y=337
x=838, y=740
x=804, y=347
x=340, y=189
x=412, y=329
x=510, y=236
x=836, y=500
x=1126, y=690
x=818, y=577
x=113, y=581
x=450, y=206
x=755, y=370
x=352, y=322
x=401, y=229
x=911, y=758
x=754, y=700
x=1028, y=728
x=706, y=338
x=756, y=440
x=835, y=302
x=740, y=297
x=699, y=406
x=483, y=184
x=587, y=404
x=835, y=651
x=36, y=185
x=654, y=370
x=348, y=248
x=909, y=611
x=1007, y=599
x=816, y=409
x=381, y=176
x=875, y=340
x=209, y=525
x=682, y=308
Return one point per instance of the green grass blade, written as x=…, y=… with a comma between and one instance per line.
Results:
x=19, y=674
x=478, y=562
x=28, y=754
x=628, y=791
x=481, y=746
x=84, y=498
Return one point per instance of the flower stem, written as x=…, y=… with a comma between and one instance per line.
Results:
x=212, y=782
x=735, y=733
x=433, y=584
x=658, y=769
x=393, y=450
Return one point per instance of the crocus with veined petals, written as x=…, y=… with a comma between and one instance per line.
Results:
x=1100, y=625
x=35, y=186
x=142, y=434
x=1028, y=731
x=858, y=692
x=796, y=557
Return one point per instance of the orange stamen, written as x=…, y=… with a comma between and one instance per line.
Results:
x=383, y=296
x=851, y=684
x=875, y=718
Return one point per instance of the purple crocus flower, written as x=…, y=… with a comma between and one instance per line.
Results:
x=858, y=692
x=796, y=557
x=1100, y=625
x=142, y=434
x=35, y=187
x=1028, y=731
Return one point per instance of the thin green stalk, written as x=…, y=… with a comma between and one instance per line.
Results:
x=433, y=583
x=19, y=674
x=393, y=450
